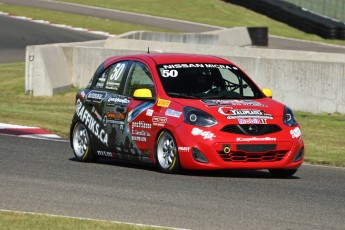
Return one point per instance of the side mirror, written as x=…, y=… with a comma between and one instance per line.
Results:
x=267, y=92
x=143, y=95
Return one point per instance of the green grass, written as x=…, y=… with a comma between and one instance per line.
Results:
x=91, y=23
x=213, y=12
x=323, y=133
x=27, y=221
x=52, y=113
x=324, y=138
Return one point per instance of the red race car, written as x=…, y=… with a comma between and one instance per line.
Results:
x=184, y=111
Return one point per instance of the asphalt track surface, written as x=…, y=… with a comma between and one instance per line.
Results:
x=16, y=34
x=42, y=176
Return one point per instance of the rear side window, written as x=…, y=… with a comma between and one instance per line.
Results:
x=111, y=78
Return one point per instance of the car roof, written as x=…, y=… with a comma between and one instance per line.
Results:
x=166, y=58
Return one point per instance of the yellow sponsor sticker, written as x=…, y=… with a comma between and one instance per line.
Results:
x=163, y=103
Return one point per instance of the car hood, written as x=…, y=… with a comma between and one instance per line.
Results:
x=265, y=108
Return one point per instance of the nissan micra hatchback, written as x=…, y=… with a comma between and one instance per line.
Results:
x=183, y=111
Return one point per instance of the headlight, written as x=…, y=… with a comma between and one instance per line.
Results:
x=288, y=117
x=198, y=117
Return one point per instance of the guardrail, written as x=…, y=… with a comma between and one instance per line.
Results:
x=334, y=9
x=296, y=17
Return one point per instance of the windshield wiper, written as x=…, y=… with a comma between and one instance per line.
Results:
x=181, y=95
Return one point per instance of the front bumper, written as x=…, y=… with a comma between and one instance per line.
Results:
x=219, y=150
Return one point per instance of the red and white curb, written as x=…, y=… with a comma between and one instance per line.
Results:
x=28, y=131
x=56, y=25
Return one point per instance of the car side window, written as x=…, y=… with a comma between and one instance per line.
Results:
x=111, y=78
x=139, y=77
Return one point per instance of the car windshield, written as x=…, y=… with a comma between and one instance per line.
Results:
x=207, y=81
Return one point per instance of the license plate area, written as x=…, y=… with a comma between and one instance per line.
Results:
x=256, y=148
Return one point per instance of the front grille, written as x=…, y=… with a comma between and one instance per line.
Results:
x=256, y=148
x=251, y=130
x=240, y=156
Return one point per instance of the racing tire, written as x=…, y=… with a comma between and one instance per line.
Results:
x=282, y=173
x=81, y=143
x=166, y=153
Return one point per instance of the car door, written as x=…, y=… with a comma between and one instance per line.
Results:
x=138, y=123
x=109, y=106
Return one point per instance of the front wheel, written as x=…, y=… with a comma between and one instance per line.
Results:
x=81, y=143
x=166, y=153
x=282, y=173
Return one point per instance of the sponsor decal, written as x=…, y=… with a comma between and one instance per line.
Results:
x=184, y=149
x=137, y=138
x=112, y=85
x=197, y=65
x=115, y=116
x=141, y=133
x=249, y=139
x=204, y=134
x=243, y=113
x=173, y=113
x=101, y=80
x=249, y=121
x=296, y=132
x=91, y=123
x=96, y=96
x=149, y=112
x=117, y=100
x=104, y=154
x=141, y=124
x=233, y=102
x=163, y=103
x=159, y=121
x=99, y=84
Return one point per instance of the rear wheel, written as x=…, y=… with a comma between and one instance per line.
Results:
x=81, y=143
x=282, y=173
x=166, y=153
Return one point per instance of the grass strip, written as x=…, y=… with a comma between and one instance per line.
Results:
x=27, y=221
x=74, y=20
x=51, y=113
x=324, y=138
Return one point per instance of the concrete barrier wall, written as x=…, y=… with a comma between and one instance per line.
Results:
x=305, y=81
x=47, y=70
x=236, y=36
x=310, y=86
